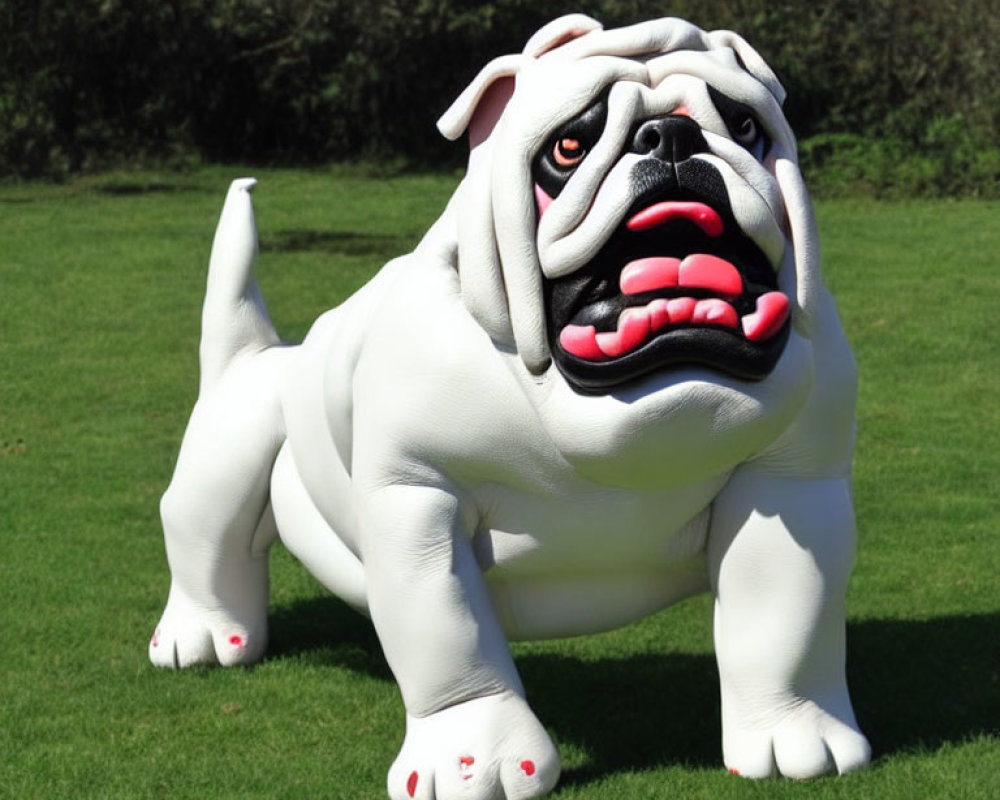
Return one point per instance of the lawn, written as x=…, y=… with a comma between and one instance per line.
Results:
x=101, y=282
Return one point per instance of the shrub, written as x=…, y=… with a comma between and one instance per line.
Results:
x=888, y=96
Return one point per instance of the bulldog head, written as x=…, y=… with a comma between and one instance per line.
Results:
x=633, y=205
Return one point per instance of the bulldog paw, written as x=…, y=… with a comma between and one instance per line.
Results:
x=806, y=744
x=188, y=634
x=484, y=749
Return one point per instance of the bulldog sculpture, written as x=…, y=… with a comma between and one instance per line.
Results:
x=608, y=377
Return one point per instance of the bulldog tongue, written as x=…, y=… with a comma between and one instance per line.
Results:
x=712, y=273
x=697, y=271
x=650, y=274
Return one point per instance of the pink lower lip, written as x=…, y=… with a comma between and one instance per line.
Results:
x=638, y=325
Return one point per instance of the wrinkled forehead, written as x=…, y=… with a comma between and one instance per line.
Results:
x=658, y=42
x=562, y=83
x=721, y=68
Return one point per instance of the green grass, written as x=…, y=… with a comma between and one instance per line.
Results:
x=100, y=289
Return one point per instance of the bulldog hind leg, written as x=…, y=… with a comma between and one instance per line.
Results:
x=216, y=514
x=218, y=527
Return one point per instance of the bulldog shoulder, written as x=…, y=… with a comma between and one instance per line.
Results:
x=430, y=376
x=819, y=440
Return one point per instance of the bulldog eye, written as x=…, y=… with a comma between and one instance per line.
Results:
x=568, y=145
x=746, y=131
x=743, y=126
x=568, y=152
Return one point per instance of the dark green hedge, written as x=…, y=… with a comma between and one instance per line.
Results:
x=886, y=95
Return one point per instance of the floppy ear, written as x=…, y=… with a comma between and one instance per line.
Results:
x=479, y=107
x=461, y=115
x=751, y=61
x=805, y=243
x=559, y=32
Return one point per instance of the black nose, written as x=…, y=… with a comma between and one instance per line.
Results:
x=671, y=138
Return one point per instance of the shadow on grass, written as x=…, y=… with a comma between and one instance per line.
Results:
x=925, y=683
x=133, y=187
x=323, y=630
x=634, y=713
x=915, y=684
x=351, y=243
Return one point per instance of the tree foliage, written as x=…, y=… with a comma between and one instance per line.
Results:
x=896, y=92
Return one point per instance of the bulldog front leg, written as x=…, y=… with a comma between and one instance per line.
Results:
x=780, y=555
x=469, y=731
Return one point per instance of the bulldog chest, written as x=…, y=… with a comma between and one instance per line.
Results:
x=593, y=560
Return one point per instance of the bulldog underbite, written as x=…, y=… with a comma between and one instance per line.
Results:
x=608, y=378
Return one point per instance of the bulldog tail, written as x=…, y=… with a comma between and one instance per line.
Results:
x=234, y=319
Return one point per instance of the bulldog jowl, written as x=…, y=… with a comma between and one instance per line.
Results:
x=677, y=284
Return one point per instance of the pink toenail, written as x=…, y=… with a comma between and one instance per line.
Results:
x=734, y=771
x=236, y=640
x=411, y=784
x=155, y=641
x=528, y=767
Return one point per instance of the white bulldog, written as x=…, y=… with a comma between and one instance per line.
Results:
x=609, y=377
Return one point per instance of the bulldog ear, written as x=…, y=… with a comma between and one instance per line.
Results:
x=479, y=107
x=559, y=32
x=485, y=97
x=750, y=60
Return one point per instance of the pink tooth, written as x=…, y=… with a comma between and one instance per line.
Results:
x=702, y=271
x=636, y=325
x=715, y=312
x=633, y=330
x=581, y=341
x=649, y=274
x=727, y=316
x=700, y=314
x=659, y=314
x=771, y=313
x=681, y=309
